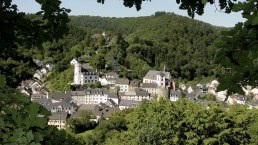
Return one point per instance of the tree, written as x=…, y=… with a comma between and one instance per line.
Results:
x=24, y=122
x=239, y=55
x=186, y=122
x=21, y=121
x=238, y=52
x=20, y=32
x=193, y=7
x=81, y=123
x=98, y=61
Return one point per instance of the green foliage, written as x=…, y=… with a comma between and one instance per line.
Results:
x=208, y=97
x=108, y=128
x=185, y=122
x=187, y=50
x=98, y=61
x=24, y=122
x=60, y=81
x=238, y=53
x=20, y=33
x=193, y=7
x=81, y=123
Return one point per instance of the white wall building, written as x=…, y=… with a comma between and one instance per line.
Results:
x=123, y=84
x=89, y=96
x=161, y=78
x=83, y=76
x=137, y=95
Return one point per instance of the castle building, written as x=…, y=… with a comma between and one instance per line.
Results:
x=83, y=76
x=161, y=78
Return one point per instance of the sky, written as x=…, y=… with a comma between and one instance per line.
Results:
x=115, y=8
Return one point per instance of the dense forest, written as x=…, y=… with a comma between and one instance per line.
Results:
x=177, y=123
x=181, y=45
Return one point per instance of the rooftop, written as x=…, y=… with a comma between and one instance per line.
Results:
x=149, y=85
x=122, y=81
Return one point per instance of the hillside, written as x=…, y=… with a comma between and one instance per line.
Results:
x=184, y=46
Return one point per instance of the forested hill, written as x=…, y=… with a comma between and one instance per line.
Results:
x=186, y=47
x=169, y=38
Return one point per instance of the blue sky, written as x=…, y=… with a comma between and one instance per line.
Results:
x=115, y=8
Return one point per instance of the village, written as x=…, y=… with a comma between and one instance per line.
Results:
x=121, y=93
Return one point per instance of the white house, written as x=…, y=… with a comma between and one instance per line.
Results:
x=137, y=95
x=174, y=95
x=38, y=74
x=236, y=99
x=89, y=96
x=111, y=75
x=124, y=104
x=123, y=84
x=58, y=120
x=162, y=78
x=151, y=88
x=83, y=76
x=221, y=95
x=103, y=81
x=109, y=79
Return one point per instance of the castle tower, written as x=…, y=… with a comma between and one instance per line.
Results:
x=77, y=74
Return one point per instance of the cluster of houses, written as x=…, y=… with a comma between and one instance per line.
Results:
x=122, y=93
x=35, y=87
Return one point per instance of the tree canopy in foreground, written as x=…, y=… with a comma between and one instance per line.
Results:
x=181, y=122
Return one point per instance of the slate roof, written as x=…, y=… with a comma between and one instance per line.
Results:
x=42, y=102
x=58, y=116
x=59, y=96
x=94, y=91
x=113, y=74
x=129, y=103
x=89, y=107
x=175, y=93
x=104, y=110
x=141, y=92
x=134, y=83
x=63, y=104
x=122, y=81
x=89, y=71
x=78, y=93
x=152, y=74
x=113, y=95
x=37, y=62
x=149, y=85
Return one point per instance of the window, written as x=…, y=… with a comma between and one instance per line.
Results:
x=90, y=77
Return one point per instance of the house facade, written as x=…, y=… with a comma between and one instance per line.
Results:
x=58, y=120
x=89, y=96
x=161, y=78
x=151, y=88
x=123, y=84
x=137, y=95
x=174, y=95
x=124, y=104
